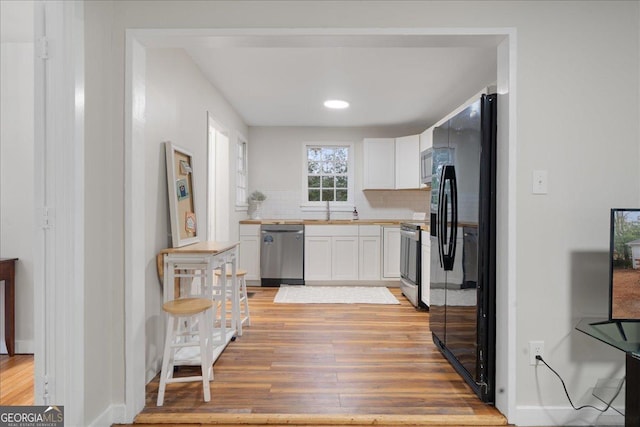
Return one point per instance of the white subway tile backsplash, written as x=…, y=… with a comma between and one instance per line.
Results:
x=285, y=204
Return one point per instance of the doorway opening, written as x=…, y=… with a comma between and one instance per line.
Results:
x=506, y=85
x=17, y=143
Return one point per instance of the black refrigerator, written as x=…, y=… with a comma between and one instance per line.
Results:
x=463, y=219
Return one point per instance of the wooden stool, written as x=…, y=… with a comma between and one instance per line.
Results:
x=189, y=308
x=243, y=315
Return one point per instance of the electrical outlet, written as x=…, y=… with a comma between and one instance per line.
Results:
x=540, y=182
x=536, y=348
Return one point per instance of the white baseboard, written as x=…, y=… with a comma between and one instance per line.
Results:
x=21, y=347
x=153, y=369
x=114, y=414
x=24, y=347
x=365, y=283
x=564, y=416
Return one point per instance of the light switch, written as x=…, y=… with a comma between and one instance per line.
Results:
x=540, y=182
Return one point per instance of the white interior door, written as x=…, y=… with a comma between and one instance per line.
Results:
x=218, y=205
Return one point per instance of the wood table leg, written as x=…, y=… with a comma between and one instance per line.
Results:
x=10, y=310
x=8, y=274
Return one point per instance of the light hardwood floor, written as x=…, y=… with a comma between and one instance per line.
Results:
x=326, y=364
x=16, y=380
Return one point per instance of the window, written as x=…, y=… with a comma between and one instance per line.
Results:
x=241, y=173
x=328, y=173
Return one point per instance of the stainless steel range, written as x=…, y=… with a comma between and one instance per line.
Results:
x=410, y=262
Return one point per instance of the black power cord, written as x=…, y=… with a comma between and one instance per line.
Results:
x=538, y=357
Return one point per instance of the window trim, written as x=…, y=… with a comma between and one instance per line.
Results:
x=242, y=141
x=346, y=206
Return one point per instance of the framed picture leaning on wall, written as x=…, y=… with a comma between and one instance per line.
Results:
x=182, y=206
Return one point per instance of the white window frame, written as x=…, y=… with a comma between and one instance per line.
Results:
x=242, y=176
x=346, y=206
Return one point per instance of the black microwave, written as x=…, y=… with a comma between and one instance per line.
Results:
x=426, y=162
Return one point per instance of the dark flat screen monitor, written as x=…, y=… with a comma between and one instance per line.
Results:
x=624, y=265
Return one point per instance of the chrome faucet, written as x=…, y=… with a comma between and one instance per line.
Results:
x=328, y=212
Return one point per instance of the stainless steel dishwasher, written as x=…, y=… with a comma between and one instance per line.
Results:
x=282, y=254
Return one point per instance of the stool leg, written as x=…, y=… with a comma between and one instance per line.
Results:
x=209, y=319
x=235, y=304
x=247, y=316
x=167, y=359
x=205, y=338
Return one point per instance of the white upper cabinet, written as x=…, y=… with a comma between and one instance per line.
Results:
x=407, y=162
x=392, y=163
x=379, y=164
x=426, y=139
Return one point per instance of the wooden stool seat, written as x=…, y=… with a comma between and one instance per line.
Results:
x=187, y=306
x=239, y=273
x=187, y=318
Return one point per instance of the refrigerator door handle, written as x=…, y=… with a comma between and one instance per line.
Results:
x=454, y=216
x=449, y=176
x=442, y=218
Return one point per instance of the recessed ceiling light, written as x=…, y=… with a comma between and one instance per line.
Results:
x=336, y=104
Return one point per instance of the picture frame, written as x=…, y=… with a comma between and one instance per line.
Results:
x=182, y=205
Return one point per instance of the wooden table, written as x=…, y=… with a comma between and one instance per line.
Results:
x=8, y=274
x=197, y=262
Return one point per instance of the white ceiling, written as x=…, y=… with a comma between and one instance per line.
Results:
x=390, y=80
x=409, y=80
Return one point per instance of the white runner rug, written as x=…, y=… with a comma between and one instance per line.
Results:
x=334, y=295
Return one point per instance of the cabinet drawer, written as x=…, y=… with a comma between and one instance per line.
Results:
x=331, y=230
x=249, y=229
x=369, y=230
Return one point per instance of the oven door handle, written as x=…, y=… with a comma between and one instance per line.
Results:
x=413, y=235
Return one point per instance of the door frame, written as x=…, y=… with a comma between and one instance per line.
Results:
x=136, y=39
x=59, y=343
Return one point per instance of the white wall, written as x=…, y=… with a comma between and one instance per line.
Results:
x=275, y=168
x=16, y=183
x=577, y=117
x=178, y=98
x=104, y=223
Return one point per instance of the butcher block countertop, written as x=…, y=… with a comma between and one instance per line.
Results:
x=326, y=222
x=388, y=222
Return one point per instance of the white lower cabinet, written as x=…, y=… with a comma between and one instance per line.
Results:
x=344, y=260
x=331, y=252
x=369, y=254
x=342, y=252
x=391, y=252
x=249, y=251
x=425, y=289
x=317, y=257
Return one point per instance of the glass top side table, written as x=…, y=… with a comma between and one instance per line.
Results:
x=625, y=336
